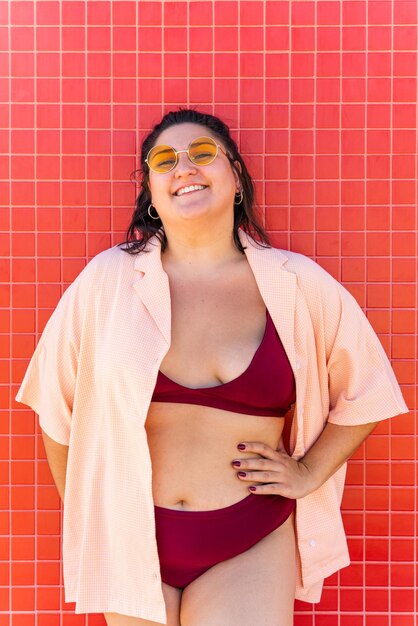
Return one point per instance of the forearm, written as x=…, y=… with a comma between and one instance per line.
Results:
x=57, y=455
x=334, y=446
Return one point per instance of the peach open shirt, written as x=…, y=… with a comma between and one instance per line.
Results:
x=91, y=380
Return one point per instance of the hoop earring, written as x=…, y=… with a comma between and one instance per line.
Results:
x=154, y=218
x=240, y=198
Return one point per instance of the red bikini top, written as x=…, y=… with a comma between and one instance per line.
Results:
x=266, y=388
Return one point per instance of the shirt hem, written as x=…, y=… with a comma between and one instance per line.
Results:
x=305, y=594
x=97, y=607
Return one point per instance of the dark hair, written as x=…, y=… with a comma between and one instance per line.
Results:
x=144, y=226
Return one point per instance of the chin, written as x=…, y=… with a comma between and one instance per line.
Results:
x=193, y=211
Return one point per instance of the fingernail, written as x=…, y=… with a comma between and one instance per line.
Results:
x=241, y=446
x=236, y=463
x=243, y=474
x=252, y=488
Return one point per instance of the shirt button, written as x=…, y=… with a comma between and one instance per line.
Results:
x=312, y=542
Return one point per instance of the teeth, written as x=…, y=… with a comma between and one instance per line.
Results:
x=184, y=190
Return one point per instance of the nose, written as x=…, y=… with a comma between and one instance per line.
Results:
x=183, y=164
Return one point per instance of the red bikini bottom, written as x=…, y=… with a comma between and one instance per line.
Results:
x=190, y=542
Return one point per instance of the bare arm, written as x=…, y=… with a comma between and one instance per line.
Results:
x=334, y=446
x=56, y=454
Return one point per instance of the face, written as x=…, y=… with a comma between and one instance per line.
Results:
x=221, y=182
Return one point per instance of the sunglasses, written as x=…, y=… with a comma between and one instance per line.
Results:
x=201, y=151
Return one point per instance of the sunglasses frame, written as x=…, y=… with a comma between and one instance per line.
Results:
x=177, y=152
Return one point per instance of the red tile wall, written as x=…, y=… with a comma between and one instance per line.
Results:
x=322, y=100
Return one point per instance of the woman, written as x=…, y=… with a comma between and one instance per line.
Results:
x=188, y=368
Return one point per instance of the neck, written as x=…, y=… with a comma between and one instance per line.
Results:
x=202, y=254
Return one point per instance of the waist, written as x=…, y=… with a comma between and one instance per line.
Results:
x=192, y=448
x=250, y=501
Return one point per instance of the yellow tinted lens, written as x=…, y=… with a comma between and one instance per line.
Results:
x=203, y=150
x=162, y=158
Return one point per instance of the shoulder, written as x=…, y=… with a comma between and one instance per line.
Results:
x=111, y=257
x=316, y=286
x=102, y=273
x=310, y=275
x=106, y=264
x=323, y=295
x=305, y=266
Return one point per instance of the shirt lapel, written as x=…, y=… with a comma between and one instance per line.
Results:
x=152, y=286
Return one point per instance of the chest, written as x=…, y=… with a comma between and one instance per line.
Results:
x=216, y=328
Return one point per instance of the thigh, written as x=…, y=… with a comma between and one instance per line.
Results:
x=254, y=587
x=172, y=597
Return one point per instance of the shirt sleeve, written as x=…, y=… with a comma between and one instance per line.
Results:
x=50, y=379
x=362, y=384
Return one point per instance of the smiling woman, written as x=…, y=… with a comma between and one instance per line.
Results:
x=178, y=144
x=200, y=178
x=210, y=388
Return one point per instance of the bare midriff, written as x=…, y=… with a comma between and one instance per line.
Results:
x=192, y=446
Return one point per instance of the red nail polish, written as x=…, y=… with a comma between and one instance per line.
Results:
x=236, y=463
x=243, y=474
x=252, y=488
x=241, y=446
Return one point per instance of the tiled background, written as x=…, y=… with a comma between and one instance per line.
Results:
x=322, y=99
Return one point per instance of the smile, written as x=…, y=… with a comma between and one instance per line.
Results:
x=190, y=189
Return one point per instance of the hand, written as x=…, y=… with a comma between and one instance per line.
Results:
x=276, y=473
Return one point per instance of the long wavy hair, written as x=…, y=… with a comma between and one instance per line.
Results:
x=143, y=227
